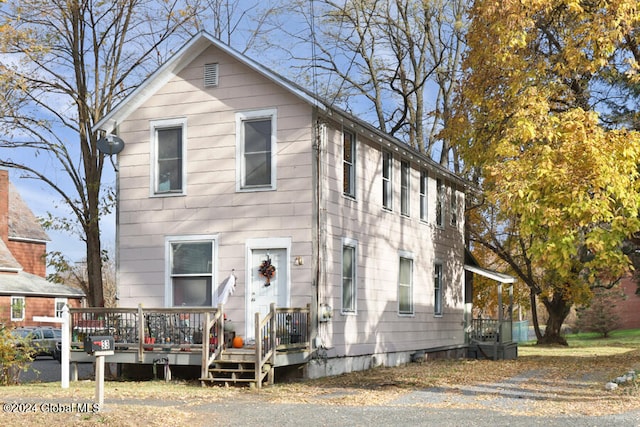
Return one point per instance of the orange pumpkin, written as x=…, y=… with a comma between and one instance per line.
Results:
x=237, y=342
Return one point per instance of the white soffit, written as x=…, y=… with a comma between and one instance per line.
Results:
x=494, y=275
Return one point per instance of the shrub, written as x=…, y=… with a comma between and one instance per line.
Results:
x=600, y=315
x=16, y=354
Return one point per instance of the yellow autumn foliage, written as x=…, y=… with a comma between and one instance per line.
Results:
x=527, y=123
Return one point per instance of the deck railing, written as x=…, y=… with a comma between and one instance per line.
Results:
x=192, y=330
x=280, y=330
x=491, y=330
x=143, y=329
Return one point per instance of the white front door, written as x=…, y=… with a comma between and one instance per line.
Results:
x=266, y=290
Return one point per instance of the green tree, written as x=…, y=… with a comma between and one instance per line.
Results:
x=564, y=184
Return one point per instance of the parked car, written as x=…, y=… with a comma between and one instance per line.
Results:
x=43, y=339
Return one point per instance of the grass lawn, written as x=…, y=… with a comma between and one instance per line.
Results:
x=562, y=380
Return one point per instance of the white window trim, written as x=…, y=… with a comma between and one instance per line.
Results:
x=407, y=194
x=352, y=175
x=441, y=201
x=424, y=197
x=55, y=305
x=407, y=255
x=24, y=305
x=433, y=281
x=389, y=206
x=153, y=127
x=240, y=168
x=352, y=243
x=168, y=240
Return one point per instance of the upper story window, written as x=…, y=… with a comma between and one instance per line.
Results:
x=190, y=269
x=440, y=203
x=168, y=151
x=387, y=171
x=349, y=269
x=424, y=182
x=349, y=164
x=405, y=285
x=405, y=183
x=256, y=143
x=454, y=207
x=437, y=289
x=17, y=309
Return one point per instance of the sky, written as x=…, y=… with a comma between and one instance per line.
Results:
x=41, y=199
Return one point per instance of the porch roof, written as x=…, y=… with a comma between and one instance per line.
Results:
x=494, y=275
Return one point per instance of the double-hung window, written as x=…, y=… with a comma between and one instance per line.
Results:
x=439, y=203
x=59, y=306
x=454, y=208
x=256, y=150
x=437, y=289
x=349, y=281
x=17, y=309
x=387, y=171
x=405, y=285
x=191, y=272
x=405, y=180
x=349, y=164
x=168, y=151
x=424, y=181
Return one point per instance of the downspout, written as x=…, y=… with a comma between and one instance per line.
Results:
x=319, y=219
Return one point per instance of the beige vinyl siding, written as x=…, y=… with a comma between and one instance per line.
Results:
x=211, y=205
x=381, y=235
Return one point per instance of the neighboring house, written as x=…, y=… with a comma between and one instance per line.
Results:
x=24, y=291
x=628, y=307
x=229, y=167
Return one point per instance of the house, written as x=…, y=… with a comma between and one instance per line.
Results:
x=231, y=169
x=24, y=290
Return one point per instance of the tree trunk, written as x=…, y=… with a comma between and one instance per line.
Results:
x=534, y=315
x=558, y=309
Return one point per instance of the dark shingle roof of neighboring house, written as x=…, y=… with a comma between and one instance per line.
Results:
x=23, y=224
x=28, y=284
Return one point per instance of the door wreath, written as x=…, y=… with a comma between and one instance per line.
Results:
x=267, y=270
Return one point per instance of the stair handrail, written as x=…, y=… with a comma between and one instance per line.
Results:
x=265, y=345
x=208, y=356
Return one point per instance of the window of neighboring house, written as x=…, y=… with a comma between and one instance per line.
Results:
x=405, y=285
x=256, y=143
x=424, y=181
x=17, y=308
x=59, y=303
x=454, y=207
x=387, y=165
x=190, y=271
x=405, y=180
x=168, y=139
x=437, y=289
x=439, y=203
x=349, y=164
x=349, y=282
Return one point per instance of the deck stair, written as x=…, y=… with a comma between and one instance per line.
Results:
x=235, y=365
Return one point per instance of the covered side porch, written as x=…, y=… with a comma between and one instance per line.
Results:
x=493, y=338
x=195, y=337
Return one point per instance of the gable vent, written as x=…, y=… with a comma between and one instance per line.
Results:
x=210, y=75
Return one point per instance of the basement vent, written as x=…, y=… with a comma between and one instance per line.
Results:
x=210, y=75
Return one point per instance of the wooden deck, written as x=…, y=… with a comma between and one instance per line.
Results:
x=196, y=337
x=492, y=339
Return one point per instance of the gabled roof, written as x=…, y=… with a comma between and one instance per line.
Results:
x=23, y=224
x=7, y=260
x=27, y=284
x=202, y=41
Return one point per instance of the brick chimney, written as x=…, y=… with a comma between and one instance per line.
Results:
x=4, y=205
